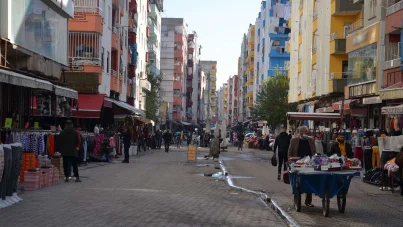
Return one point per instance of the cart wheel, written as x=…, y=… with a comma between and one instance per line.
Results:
x=297, y=197
x=326, y=204
x=341, y=201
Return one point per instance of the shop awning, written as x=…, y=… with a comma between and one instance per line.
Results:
x=371, y=100
x=90, y=106
x=65, y=92
x=346, y=105
x=392, y=92
x=392, y=110
x=125, y=106
x=325, y=110
x=18, y=79
x=301, y=116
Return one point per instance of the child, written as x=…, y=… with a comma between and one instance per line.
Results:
x=106, y=149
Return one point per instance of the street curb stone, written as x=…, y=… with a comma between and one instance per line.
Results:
x=289, y=221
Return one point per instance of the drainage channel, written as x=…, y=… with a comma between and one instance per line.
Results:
x=263, y=197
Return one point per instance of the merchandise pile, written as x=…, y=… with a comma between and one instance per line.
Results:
x=325, y=163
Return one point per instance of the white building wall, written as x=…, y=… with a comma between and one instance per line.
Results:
x=167, y=65
x=306, y=48
x=106, y=6
x=141, y=41
x=323, y=50
x=125, y=34
x=294, y=54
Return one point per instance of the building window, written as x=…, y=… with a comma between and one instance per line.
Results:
x=372, y=9
x=102, y=58
x=107, y=62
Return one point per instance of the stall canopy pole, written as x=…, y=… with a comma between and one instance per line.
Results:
x=341, y=114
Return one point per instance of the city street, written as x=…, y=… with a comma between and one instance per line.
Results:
x=156, y=189
x=367, y=205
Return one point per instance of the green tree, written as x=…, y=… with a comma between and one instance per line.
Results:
x=153, y=96
x=272, y=103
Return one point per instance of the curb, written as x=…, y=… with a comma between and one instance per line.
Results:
x=263, y=196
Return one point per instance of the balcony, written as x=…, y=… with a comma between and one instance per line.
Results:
x=133, y=6
x=337, y=43
x=178, y=54
x=344, y=7
x=145, y=85
x=189, y=89
x=179, y=39
x=154, y=70
x=87, y=17
x=189, y=103
x=355, y=26
x=152, y=48
x=115, y=84
x=177, y=85
x=392, y=56
x=154, y=12
x=394, y=8
x=115, y=38
x=84, y=52
x=177, y=101
x=337, y=85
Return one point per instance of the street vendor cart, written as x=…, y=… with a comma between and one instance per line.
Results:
x=325, y=184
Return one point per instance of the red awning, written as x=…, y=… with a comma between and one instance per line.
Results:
x=301, y=116
x=346, y=105
x=89, y=106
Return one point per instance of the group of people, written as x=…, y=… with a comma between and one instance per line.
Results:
x=286, y=146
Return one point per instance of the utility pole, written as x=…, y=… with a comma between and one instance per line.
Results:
x=208, y=120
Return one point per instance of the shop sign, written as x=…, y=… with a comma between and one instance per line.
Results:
x=391, y=94
x=362, y=38
x=192, y=153
x=362, y=90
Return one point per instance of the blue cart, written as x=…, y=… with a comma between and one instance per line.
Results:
x=325, y=184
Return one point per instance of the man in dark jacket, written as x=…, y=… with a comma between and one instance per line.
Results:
x=167, y=140
x=341, y=147
x=69, y=146
x=158, y=139
x=240, y=138
x=127, y=137
x=282, y=142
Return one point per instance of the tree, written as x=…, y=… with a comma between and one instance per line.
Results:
x=153, y=96
x=271, y=103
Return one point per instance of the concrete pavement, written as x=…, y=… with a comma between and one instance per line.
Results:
x=157, y=189
x=366, y=204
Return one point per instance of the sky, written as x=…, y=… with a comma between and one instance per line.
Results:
x=220, y=25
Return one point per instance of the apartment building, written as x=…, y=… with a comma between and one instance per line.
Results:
x=234, y=97
x=250, y=70
x=210, y=71
x=174, y=52
x=220, y=104
x=270, y=41
x=243, y=78
x=154, y=41
x=194, y=81
x=108, y=49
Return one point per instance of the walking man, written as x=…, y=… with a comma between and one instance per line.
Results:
x=126, y=144
x=303, y=146
x=241, y=137
x=282, y=142
x=69, y=146
x=167, y=140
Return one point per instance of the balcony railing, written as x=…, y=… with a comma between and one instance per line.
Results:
x=115, y=30
x=392, y=51
x=82, y=7
x=394, y=8
x=84, y=48
x=114, y=73
x=337, y=35
x=355, y=26
x=392, y=63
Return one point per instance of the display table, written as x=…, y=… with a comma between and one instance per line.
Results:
x=325, y=184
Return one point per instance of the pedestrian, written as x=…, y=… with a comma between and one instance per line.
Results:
x=240, y=138
x=302, y=146
x=321, y=147
x=167, y=140
x=126, y=144
x=178, y=140
x=69, y=146
x=158, y=139
x=341, y=147
x=181, y=138
x=282, y=142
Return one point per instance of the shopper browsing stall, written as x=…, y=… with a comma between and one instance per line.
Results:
x=69, y=149
x=341, y=147
x=282, y=142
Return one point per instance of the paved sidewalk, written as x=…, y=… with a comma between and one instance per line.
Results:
x=159, y=189
x=366, y=205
